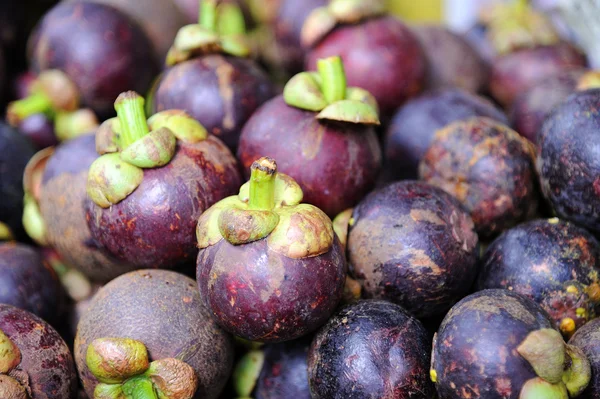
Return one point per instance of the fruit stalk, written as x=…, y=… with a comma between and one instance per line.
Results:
x=262, y=184
x=131, y=114
x=332, y=73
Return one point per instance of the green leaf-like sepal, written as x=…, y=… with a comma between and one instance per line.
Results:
x=545, y=351
x=107, y=136
x=287, y=191
x=241, y=226
x=69, y=125
x=246, y=372
x=351, y=111
x=353, y=11
x=139, y=388
x=579, y=373
x=153, y=150
x=109, y=391
x=316, y=26
x=341, y=224
x=33, y=222
x=358, y=94
x=235, y=45
x=111, y=180
x=182, y=124
x=10, y=355
x=194, y=37
x=537, y=388
x=172, y=379
x=207, y=230
x=304, y=92
x=114, y=360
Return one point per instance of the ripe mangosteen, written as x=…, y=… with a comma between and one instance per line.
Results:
x=553, y=262
x=587, y=338
x=163, y=312
x=371, y=349
x=452, y=61
x=149, y=188
x=489, y=167
x=416, y=122
x=412, y=244
x=210, y=76
x=270, y=269
x=34, y=360
x=321, y=132
x=568, y=160
x=382, y=55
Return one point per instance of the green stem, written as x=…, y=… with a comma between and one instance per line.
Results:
x=208, y=14
x=36, y=103
x=262, y=184
x=521, y=6
x=139, y=388
x=132, y=118
x=334, y=78
x=230, y=20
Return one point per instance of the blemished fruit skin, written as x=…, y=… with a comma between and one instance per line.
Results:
x=371, y=349
x=45, y=358
x=474, y=350
x=163, y=310
x=413, y=244
x=587, y=338
x=568, y=161
x=553, y=262
x=381, y=55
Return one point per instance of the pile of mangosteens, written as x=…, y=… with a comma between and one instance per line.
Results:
x=234, y=199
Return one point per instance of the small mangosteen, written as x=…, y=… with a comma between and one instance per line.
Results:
x=489, y=167
x=270, y=269
x=149, y=188
x=210, y=76
x=568, y=161
x=381, y=53
x=413, y=244
x=416, y=122
x=497, y=344
x=553, y=262
x=371, y=349
x=587, y=338
x=321, y=132
x=163, y=311
x=34, y=360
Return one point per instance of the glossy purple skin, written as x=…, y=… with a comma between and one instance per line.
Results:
x=540, y=260
x=29, y=283
x=163, y=310
x=336, y=164
x=101, y=49
x=261, y=295
x=414, y=245
x=221, y=92
x=39, y=129
x=474, y=351
x=371, y=349
x=531, y=107
x=44, y=355
x=415, y=124
x=155, y=226
x=587, y=338
x=568, y=161
x=381, y=55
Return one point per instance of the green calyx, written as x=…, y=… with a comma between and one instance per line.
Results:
x=124, y=371
x=537, y=388
x=268, y=206
x=247, y=371
x=6, y=233
x=589, y=80
x=221, y=29
x=341, y=224
x=69, y=125
x=10, y=355
x=32, y=220
x=326, y=92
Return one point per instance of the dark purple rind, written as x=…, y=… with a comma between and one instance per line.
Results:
x=587, y=338
x=155, y=226
x=489, y=168
x=101, y=49
x=474, y=351
x=530, y=108
x=415, y=124
x=261, y=295
x=371, y=349
x=336, y=164
x=220, y=92
x=540, y=260
x=39, y=129
x=381, y=55
x=516, y=72
x=163, y=310
x=284, y=373
x=414, y=245
x=44, y=355
x=568, y=159
x=62, y=199
x=27, y=282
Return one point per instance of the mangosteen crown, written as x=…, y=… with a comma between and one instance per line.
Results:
x=12, y=385
x=221, y=29
x=128, y=147
x=268, y=206
x=589, y=80
x=326, y=92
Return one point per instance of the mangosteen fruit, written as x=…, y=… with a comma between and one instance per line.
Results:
x=322, y=134
x=370, y=349
x=270, y=269
x=154, y=179
x=35, y=362
x=489, y=167
x=497, y=344
x=150, y=327
x=415, y=123
x=413, y=244
x=568, y=160
x=587, y=338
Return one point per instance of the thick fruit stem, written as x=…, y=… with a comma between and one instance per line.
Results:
x=139, y=388
x=230, y=20
x=262, y=184
x=36, y=103
x=208, y=15
x=132, y=117
x=332, y=73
